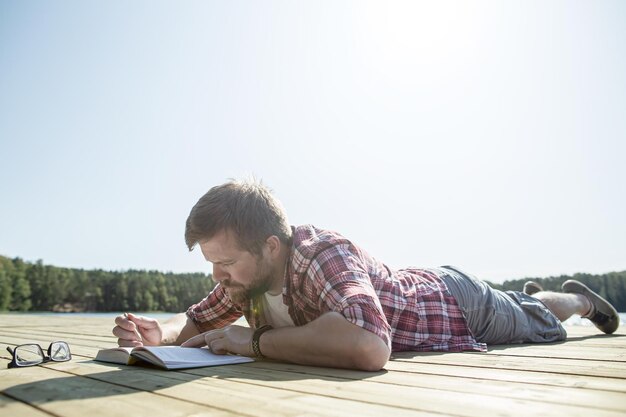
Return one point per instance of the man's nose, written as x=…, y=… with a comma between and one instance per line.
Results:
x=219, y=274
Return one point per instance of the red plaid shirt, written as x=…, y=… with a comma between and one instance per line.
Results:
x=410, y=309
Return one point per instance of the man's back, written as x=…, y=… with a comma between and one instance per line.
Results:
x=409, y=308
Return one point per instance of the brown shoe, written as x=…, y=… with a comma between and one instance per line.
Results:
x=531, y=287
x=603, y=315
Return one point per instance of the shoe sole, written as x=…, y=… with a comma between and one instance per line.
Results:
x=531, y=287
x=605, y=316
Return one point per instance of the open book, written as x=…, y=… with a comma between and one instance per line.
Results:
x=168, y=357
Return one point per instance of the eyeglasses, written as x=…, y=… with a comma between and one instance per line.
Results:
x=31, y=354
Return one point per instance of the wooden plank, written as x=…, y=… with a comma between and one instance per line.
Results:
x=397, y=373
x=513, y=375
x=581, y=400
x=75, y=396
x=228, y=395
x=254, y=388
x=563, y=352
x=10, y=407
x=388, y=388
x=21, y=321
x=538, y=364
x=85, y=337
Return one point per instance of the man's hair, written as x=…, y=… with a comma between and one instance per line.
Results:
x=244, y=207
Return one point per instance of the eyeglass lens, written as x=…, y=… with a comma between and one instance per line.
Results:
x=59, y=351
x=27, y=355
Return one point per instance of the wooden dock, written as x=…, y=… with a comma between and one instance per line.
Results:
x=584, y=376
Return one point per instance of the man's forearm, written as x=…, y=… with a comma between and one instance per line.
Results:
x=330, y=340
x=178, y=329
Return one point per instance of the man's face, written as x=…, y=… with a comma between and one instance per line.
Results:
x=242, y=274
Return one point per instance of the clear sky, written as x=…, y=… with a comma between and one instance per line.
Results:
x=484, y=134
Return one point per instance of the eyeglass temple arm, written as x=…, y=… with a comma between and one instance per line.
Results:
x=10, y=350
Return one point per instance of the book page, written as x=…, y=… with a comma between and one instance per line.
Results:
x=175, y=357
x=115, y=355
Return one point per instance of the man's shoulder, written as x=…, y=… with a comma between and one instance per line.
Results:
x=309, y=241
x=307, y=237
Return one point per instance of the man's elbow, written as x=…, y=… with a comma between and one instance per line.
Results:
x=372, y=356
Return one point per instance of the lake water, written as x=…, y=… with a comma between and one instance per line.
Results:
x=572, y=321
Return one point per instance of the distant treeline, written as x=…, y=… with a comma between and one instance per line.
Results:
x=611, y=286
x=26, y=286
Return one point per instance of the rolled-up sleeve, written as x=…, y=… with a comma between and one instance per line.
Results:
x=215, y=311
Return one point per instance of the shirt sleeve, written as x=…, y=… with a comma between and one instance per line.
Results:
x=215, y=311
x=339, y=278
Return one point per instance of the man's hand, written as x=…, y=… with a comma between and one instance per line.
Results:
x=133, y=330
x=230, y=339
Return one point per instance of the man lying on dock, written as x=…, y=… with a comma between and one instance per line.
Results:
x=313, y=297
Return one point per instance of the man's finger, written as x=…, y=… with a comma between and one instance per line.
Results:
x=124, y=323
x=128, y=343
x=203, y=339
x=195, y=341
x=142, y=321
x=134, y=327
x=218, y=346
x=125, y=334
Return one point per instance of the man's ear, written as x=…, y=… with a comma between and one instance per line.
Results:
x=273, y=244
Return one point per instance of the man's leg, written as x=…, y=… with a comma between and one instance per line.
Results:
x=578, y=299
x=562, y=305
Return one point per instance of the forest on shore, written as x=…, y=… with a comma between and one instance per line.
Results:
x=34, y=286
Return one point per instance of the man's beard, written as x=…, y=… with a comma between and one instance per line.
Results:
x=261, y=283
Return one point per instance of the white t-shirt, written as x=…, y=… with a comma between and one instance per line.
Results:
x=276, y=312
